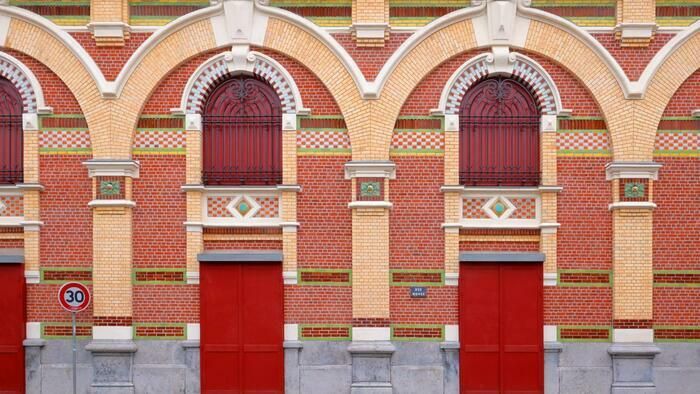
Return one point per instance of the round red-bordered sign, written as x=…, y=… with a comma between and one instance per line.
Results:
x=74, y=296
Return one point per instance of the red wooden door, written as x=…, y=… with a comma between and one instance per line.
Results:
x=501, y=343
x=242, y=328
x=12, y=328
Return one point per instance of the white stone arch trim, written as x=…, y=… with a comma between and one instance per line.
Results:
x=523, y=69
x=221, y=66
x=26, y=83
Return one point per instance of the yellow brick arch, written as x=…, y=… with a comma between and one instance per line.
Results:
x=40, y=39
x=678, y=66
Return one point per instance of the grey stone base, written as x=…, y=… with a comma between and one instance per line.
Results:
x=316, y=367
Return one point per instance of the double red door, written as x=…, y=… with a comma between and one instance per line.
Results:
x=12, y=328
x=501, y=343
x=242, y=328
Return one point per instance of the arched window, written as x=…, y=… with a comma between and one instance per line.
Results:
x=242, y=140
x=11, y=139
x=499, y=135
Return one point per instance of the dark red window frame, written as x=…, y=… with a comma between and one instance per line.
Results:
x=11, y=134
x=499, y=141
x=242, y=134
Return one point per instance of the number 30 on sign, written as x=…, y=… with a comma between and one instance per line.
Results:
x=74, y=296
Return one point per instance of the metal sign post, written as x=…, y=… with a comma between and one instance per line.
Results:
x=74, y=297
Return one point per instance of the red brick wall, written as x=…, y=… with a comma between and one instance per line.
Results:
x=578, y=306
x=110, y=59
x=633, y=60
x=169, y=92
x=416, y=237
x=441, y=306
x=676, y=223
x=676, y=306
x=66, y=236
x=318, y=304
x=43, y=306
x=166, y=303
x=426, y=95
x=370, y=60
x=686, y=99
x=322, y=211
x=159, y=234
x=56, y=93
x=582, y=209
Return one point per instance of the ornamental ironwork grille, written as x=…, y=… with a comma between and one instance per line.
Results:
x=11, y=138
x=242, y=134
x=499, y=141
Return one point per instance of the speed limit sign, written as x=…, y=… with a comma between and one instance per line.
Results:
x=74, y=296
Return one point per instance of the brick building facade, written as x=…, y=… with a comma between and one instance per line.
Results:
x=381, y=237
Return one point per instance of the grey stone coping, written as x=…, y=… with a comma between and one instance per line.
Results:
x=11, y=256
x=553, y=347
x=371, y=347
x=292, y=345
x=451, y=345
x=633, y=349
x=240, y=256
x=190, y=344
x=34, y=343
x=498, y=257
x=117, y=346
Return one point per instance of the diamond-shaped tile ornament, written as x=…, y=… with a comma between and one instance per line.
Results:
x=499, y=208
x=243, y=207
x=2, y=206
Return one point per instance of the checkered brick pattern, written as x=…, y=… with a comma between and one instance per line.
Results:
x=583, y=141
x=677, y=141
x=216, y=207
x=21, y=81
x=269, y=207
x=11, y=206
x=528, y=74
x=64, y=139
x=218, y=71
x=525, y=208
x=413, y=140
x=471, y=208
x=307, y=139
x=157, y=139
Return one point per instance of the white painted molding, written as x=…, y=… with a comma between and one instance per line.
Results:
x=30, y=122
x=291, y=332
x=113, y=168
x=41, y=107
x=4, y=28
x=632, y=205
x=111, y=203
x=289, y=122
x=633, y=335
x=192, y=277
x=31, y=225
x=550, y=279
x=14, y=221
x=451, y=333
x=632, y=170
x=194, y=227
x=33, y=330
x=108, y=29
x=371, y=334
x=549, y=228
x=193, y=122
x=548, y=123
x=32, y=277
x=636, y=30
x=370, y=169
x=452, y=120
x=370, y=204
x=369, y=30
x=289, y=227
x=112, y=333
x=193, y=331
x=240, y=189
x=696, y=113
x=550, y=333
x=451, y=279
x=290, y=277
x=235, y=68
x=30, y=187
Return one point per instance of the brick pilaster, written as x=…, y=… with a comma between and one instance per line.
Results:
x=109, y=22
